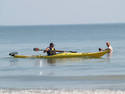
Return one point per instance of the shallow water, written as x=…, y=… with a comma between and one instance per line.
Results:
x=102, y=73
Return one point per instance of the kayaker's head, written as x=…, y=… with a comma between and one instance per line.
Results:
x=51, y=45
x=108, y=44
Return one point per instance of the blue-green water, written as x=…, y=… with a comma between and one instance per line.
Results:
x=106, y=72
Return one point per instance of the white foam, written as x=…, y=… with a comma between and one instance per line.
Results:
x=60, y=91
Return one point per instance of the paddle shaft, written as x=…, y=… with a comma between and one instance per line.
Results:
x=37, y=49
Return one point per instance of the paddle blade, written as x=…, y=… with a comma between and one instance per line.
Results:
x=13, y=53
x=35, y=49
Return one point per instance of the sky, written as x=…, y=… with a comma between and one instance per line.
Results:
x=51, y=12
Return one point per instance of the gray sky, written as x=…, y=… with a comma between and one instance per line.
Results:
x=43, y=12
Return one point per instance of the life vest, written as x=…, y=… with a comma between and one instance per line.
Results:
x=51, y=51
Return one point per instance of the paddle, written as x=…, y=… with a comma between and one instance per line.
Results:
x=13, y=53
x=37, y=49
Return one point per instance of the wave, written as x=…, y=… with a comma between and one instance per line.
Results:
x=61, y=91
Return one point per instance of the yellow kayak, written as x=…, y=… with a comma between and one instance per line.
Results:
x=66, y=55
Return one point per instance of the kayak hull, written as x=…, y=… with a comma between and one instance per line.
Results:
x=67, y=55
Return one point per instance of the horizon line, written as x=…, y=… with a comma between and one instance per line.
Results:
x=66, y=24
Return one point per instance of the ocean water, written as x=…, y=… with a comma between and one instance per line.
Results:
x=81, y=73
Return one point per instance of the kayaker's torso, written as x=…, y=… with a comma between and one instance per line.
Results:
x=110, y=48
x=51, y=51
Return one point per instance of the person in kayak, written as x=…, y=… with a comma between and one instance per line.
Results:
x=51, y=50
x=109, y=47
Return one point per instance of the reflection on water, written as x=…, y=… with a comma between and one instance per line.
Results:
x=53, y=61
x=56, y=66
x=13, y=61
x=109, y=56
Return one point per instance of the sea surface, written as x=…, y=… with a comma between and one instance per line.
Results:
x=107, y=72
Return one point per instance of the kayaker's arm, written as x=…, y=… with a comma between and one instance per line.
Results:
x=46, y=50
